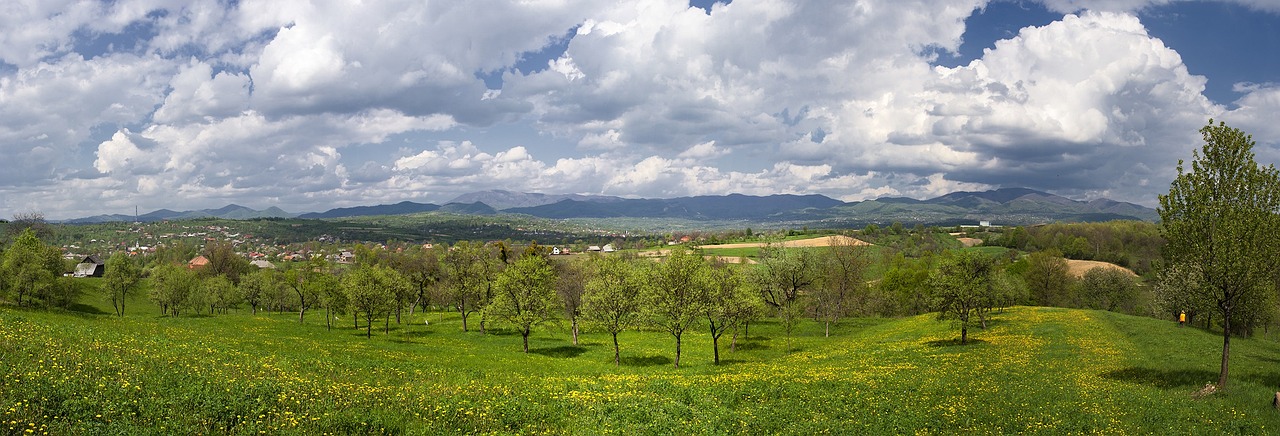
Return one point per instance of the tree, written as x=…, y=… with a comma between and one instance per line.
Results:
x=612, y=297
x=257, y=287
x=727, y=303
x=1177, y=291
x=525, y=295
x=675, y=294
x=782, y=277
x=296, y=280
x=1108, y=289
x=465, y=272
x=222, y=294
x=1048, y=278
x=31, y=269
x=571, y=281
x=962, y=285
x=171, y=286
x=122, y=278
x=1221, y=216
x=224, y=261
x=368, y=290
x=843, y=267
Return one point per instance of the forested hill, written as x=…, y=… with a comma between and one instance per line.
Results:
x=1011, y=206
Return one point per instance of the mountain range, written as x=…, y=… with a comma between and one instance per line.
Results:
x=1002, y=206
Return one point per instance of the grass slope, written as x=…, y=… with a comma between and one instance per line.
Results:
x=1035, y=370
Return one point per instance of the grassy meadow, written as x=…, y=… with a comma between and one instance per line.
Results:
x=1034, y=370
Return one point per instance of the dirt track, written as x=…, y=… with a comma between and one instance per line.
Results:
x=825, y=241
x=1077, y=268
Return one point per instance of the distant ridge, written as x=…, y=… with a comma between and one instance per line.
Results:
x=1008, y=206
x=401, y=208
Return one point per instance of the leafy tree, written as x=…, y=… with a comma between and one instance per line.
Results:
x=422, y=268
x=257, y=287
x=612, y=297
x=221, y=293
x=675, y=294
x=905, y=288
x=783, y=276
x=122, y=277
x=843, y=266
x=172, y=285
x=1048, y=278
x=1177, y=291
x=525, y=295
x=571, y=281
x=465, y=271
x=1221, y=216
x=1108, y=289
x=30, y=269
x=224, y=261
x=329, y=293
x=962, y=285
x=296, y=280
x=728, y=303
x=368, y=290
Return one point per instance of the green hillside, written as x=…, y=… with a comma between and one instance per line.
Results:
x=1035, y=370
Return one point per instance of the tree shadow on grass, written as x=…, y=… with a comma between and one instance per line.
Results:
x=955, y=342
x=1160, y=378
x=85, y=309
x=646, y=360
x=563, y=351
x=750, y=346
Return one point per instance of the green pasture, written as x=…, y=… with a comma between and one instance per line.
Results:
x=1034, y=370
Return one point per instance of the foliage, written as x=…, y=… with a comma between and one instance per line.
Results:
x=1221, y=216
x=783, y=277
x=467, y=266
x=728, y=303
x=369, y=292
x=257, y=287
x=676, y=293
x=1048, y=279
x=30, y=270
x=525, y=295
x=122, y=277
x=612, y=297
x=172, y=286
x=963, y=286
x=1109, y=289
x=842, y=289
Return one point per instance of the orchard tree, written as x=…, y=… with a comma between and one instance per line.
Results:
x=843, y=266
x=571, y=282
x=257, y=287
x=30, y=269
x=222, y=294
x=1110, y=289
x=296, y=280
x=1221, y=216
x=465, y=272
x=611, y=299
x=525, y=295
x=783, y=277
x=962, y=286
x=676, y=294
x=368, y=290
x=728, y=303
x=171, y=287
x=1048, y=278
x=122, y=278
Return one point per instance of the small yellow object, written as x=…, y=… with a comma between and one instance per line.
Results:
x=1182, y=317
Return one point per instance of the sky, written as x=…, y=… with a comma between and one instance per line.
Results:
x=310, y=105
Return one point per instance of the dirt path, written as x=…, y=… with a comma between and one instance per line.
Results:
x=825, y=241
x=1077, y=268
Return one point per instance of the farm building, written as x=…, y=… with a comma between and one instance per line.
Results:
x=198, y=262
x=91, y=266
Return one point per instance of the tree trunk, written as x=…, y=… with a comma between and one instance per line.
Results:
x=255, y=309
x=387, y=328
x=826, y=329
x=398, y=309
x=122, y=297
x=964, y=333
x=677, y=351
x=464, y=318
x=1226, y=349
x=368, y=328
x=746, y=330
x=355, y=319
x=302, y=312
x=415, y=304
x=575, y=331
x=617, y=355
x=715, y=345
x=328, y=319
x=733, y=343
x=524, y=334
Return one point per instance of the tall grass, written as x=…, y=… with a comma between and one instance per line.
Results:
x=1034, y=370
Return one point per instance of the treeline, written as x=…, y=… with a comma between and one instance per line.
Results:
x=1132, y=244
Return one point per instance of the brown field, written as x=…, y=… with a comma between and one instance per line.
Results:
x=1077, y=268
x=825, y=241
x=969, y=242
